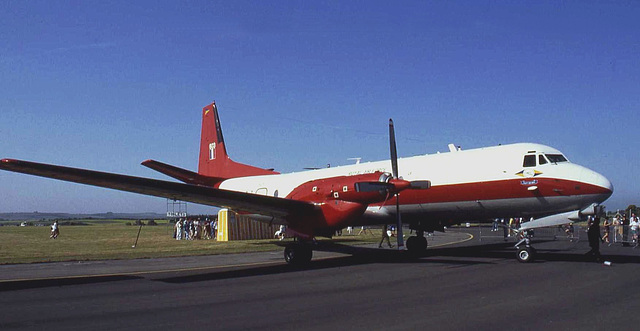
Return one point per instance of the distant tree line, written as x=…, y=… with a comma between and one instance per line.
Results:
x=141, y=222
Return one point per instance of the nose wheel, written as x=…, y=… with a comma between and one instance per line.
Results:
x=527, y=253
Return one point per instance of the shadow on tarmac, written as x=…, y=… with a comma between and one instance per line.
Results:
x=357, y=255
x=63, y=281
x=507, y=251
x=457, y=256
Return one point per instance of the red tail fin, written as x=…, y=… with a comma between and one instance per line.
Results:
x=214, y=161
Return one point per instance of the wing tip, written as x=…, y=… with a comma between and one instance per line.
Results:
x=9, y=164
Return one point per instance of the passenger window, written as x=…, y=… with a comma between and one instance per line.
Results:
x=541, y=159
x=529, y=161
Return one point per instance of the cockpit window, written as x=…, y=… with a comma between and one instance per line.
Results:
x=556, y=158
x=542, y=160
x=529, y=161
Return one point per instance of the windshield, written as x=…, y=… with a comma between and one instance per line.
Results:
x=556, y=158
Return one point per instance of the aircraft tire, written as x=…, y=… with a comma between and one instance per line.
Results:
x=298, y=254
x=417, y=246
x=526, y=254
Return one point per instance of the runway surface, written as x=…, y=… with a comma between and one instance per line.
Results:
x=462, y=284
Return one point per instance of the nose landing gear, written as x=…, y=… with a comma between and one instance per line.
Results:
x=527, y=253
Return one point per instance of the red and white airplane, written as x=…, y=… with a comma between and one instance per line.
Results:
x=429, y=192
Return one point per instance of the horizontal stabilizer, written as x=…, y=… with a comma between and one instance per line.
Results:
x=183, y=175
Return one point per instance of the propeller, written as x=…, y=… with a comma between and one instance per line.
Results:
x=394, y=173
x=395, y=184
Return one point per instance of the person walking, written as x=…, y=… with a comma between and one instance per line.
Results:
x=607, y=231
x=55, y=231
x=385, y=235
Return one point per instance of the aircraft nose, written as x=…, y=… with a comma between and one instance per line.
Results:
x=601, y=181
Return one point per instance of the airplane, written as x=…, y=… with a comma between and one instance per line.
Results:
x=429, y=192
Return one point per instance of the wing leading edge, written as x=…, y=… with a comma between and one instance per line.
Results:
x=253, y=203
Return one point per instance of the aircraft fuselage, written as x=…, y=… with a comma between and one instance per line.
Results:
x=514, y=180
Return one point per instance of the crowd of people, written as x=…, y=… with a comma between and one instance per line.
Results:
x=509, y=227
x=626, y=228
x=195, y=228
x=619, y=228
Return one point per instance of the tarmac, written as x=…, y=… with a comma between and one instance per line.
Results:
x=462, y=283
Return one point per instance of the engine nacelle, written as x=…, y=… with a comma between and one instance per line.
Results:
x=344, y=188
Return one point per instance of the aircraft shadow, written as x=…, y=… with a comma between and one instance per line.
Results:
x=499, y=250
x=506, y=251
x=356, y=256
x=359, y=255
x=56, y=282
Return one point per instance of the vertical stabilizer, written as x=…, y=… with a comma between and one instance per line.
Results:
x=214, y=160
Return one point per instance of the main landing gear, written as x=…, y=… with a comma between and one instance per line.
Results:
x=417, y=245
x=298, y=253
x=527, y=253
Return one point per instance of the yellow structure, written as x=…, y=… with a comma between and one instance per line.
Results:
x=232, y=226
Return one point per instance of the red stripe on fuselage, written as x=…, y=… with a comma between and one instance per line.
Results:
x=496, y=190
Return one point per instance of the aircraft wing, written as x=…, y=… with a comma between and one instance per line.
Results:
x=253, y=203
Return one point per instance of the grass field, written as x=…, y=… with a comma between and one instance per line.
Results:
x=112, y=239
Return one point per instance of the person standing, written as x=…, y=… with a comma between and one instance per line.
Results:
x=175, y=230
x=617, y=228
x=505, y=230
x=634, y=225
x=593, y=233
x=625, y=230
x=179, y=229
x=281, y=232
x=511, y=224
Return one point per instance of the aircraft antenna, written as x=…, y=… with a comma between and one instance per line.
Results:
x=357, y=159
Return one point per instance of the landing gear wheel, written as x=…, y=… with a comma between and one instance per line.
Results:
x=417, y=246
x=526, y=254
x=298, y=254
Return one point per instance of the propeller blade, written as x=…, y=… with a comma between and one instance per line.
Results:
x=394, y=169
x=420, y=184
x=394, y=152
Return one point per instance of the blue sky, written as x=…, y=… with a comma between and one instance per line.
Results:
x=107, y=84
